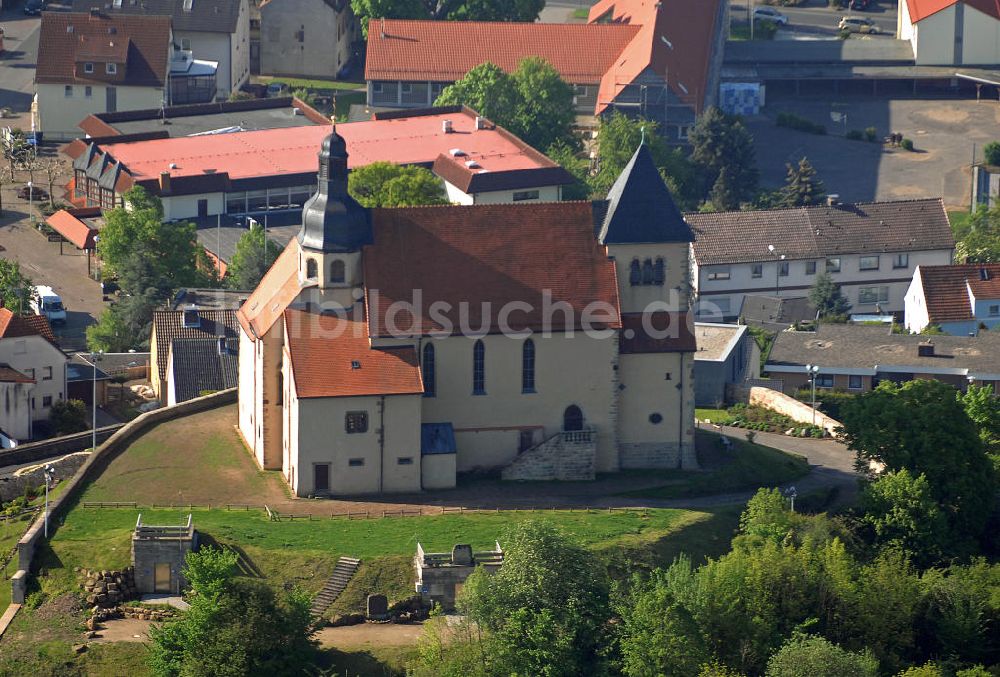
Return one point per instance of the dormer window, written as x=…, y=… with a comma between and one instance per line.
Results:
x=191, y=319
x=111, y=68
x=188, y=4
x=88, y=68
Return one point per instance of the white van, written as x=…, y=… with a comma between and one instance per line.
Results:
x=48, y=303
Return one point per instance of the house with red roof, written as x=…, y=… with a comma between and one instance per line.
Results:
x=32, y=374
x=961, y=299
x=951, y=32
x=387, y=350
x=654, y=58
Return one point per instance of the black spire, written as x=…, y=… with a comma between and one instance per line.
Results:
x=641, y=209
x=332, y=220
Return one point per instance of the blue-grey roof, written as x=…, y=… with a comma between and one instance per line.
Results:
x=200, y=366
x=640, y=207
x=83, y=372
x=437, y=438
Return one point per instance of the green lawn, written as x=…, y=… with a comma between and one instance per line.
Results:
x=713, y=415
x=581, y=13
x=746, y=466
x=312, y=83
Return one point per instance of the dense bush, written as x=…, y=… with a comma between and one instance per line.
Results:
x=855, y=135
x=827, y=401
x=69, y=416
x=765, y=420
x=991, y=153
x=871, y=134
x=906, y=144
x=799, y=123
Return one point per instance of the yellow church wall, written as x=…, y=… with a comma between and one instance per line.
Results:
x=674, y=291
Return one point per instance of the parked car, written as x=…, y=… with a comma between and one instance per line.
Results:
x=770, y=14
x=37, y=194
x=858, y=24
x=276, y=89
x=34, y=7
x=861, y=5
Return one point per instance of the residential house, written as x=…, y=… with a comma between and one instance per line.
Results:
x=855, y=358
x=28, y=347
x=92, y=62
x=307, y=38
x=381, y=335
x=870, y=249
x=85, y=381
x=727, y=355
x=655, y=59
x=214, y=30
x=951, y=32
x=190, y=323
x=200, y=366
x=961, y=299
x=775, y=313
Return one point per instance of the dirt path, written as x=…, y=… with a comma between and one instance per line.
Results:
x=369, y=635
x=123, y=630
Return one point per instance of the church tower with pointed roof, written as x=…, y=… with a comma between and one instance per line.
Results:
x=334, y=229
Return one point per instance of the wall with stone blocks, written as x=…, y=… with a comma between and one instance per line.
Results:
x=791, y=407
x=555, y=459
x=95, y=465
x=65, y=468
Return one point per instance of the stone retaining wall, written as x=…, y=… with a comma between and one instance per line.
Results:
x=95, y=465
x=791, y=407
x=563, y=457
x=31, y=452
x=108, y=588
x=65, y=468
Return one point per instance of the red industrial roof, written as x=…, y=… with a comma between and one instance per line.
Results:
x=478, y=259
x=444, y=51
x=921, y=9
x=676, y=41
x=413, y=139
x=13, y=325
x=69, y=225
x=142, y=43
x=333, y=357
x=946, y=289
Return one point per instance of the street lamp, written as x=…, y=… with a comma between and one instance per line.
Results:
x=791, y=493
x=812, y=370
x=31, y=206
x=93, y=404
x=777, y=266
x=49, y=472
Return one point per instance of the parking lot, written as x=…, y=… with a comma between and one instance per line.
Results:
x=814, y=19
x=944, y=132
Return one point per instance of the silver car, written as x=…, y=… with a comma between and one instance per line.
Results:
x=857, y=24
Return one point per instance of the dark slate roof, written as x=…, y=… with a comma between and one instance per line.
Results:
x=169, y=325
x=437, y=438
x=774, y=312
x=205, y=16
x=640, y=207
x=199, y=366
x=815, y=232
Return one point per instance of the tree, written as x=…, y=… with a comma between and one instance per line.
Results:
x=126, y=324
x=253, y=257
x=17, y=291
x=384, y=184
x=806, y=656
x=533, y=102
x=767, y=515
x=726, y=193
x=52, y=168
x=545, y=609
x=980, y=242
x=465, y=10
x=566, y=156
x=991, y=153
x=903, y=514
x=983, y=408
x=825, y=296
x=802, y=188
x=909, y=426
x=233, y=627
x=721, y=141
x=69, y=416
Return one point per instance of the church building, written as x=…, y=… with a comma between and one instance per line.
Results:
x=387, y=350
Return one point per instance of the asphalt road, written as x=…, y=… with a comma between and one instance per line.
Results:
x=816, y=20
x=17, y=61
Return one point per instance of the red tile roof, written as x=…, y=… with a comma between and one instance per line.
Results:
x=689, y=26
x=333, y=357
x=482, y=258
x=444, y=51
x=11, y=375
x=13, y=325
x=403, y=139
x=921, y=9
x=142, y=42
x=278, y=288
x=946, y=289
x=69, y=225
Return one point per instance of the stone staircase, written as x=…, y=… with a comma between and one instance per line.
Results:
x=341, y=576
x=566, y=456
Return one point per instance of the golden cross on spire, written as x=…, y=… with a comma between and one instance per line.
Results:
x=333, y=115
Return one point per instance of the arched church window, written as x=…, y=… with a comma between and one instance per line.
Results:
x=635, y=273
x=528, y=367
x=572, y=418
x=659, y=271
x=430, y=381
x=647, y=271
x=479, y=368
x=312, y=270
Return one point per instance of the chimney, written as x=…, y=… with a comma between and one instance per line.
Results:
x=164, y=182
x=446, y=126
x=832, y=200
x=480, y=122
x=925, y=349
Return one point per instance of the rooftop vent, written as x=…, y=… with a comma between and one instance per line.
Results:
x=223, y=348
x=191, y=319
x=925, y=349
x=69, y=28
x=480, y=122
x=173, y=165
x=208, y=171
x=472, y=164
x=355, y=364
x=832, y=200
x=984, y=274
x=297, y=111
x=457, y=152
x=447, y=127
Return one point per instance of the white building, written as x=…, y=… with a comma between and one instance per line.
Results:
x=307, y=38
x=961, y=299
x=388, y=349
x=869, y=249
x=32, y=373
x=951, y=32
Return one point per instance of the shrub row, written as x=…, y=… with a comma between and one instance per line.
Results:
x=799, y=123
